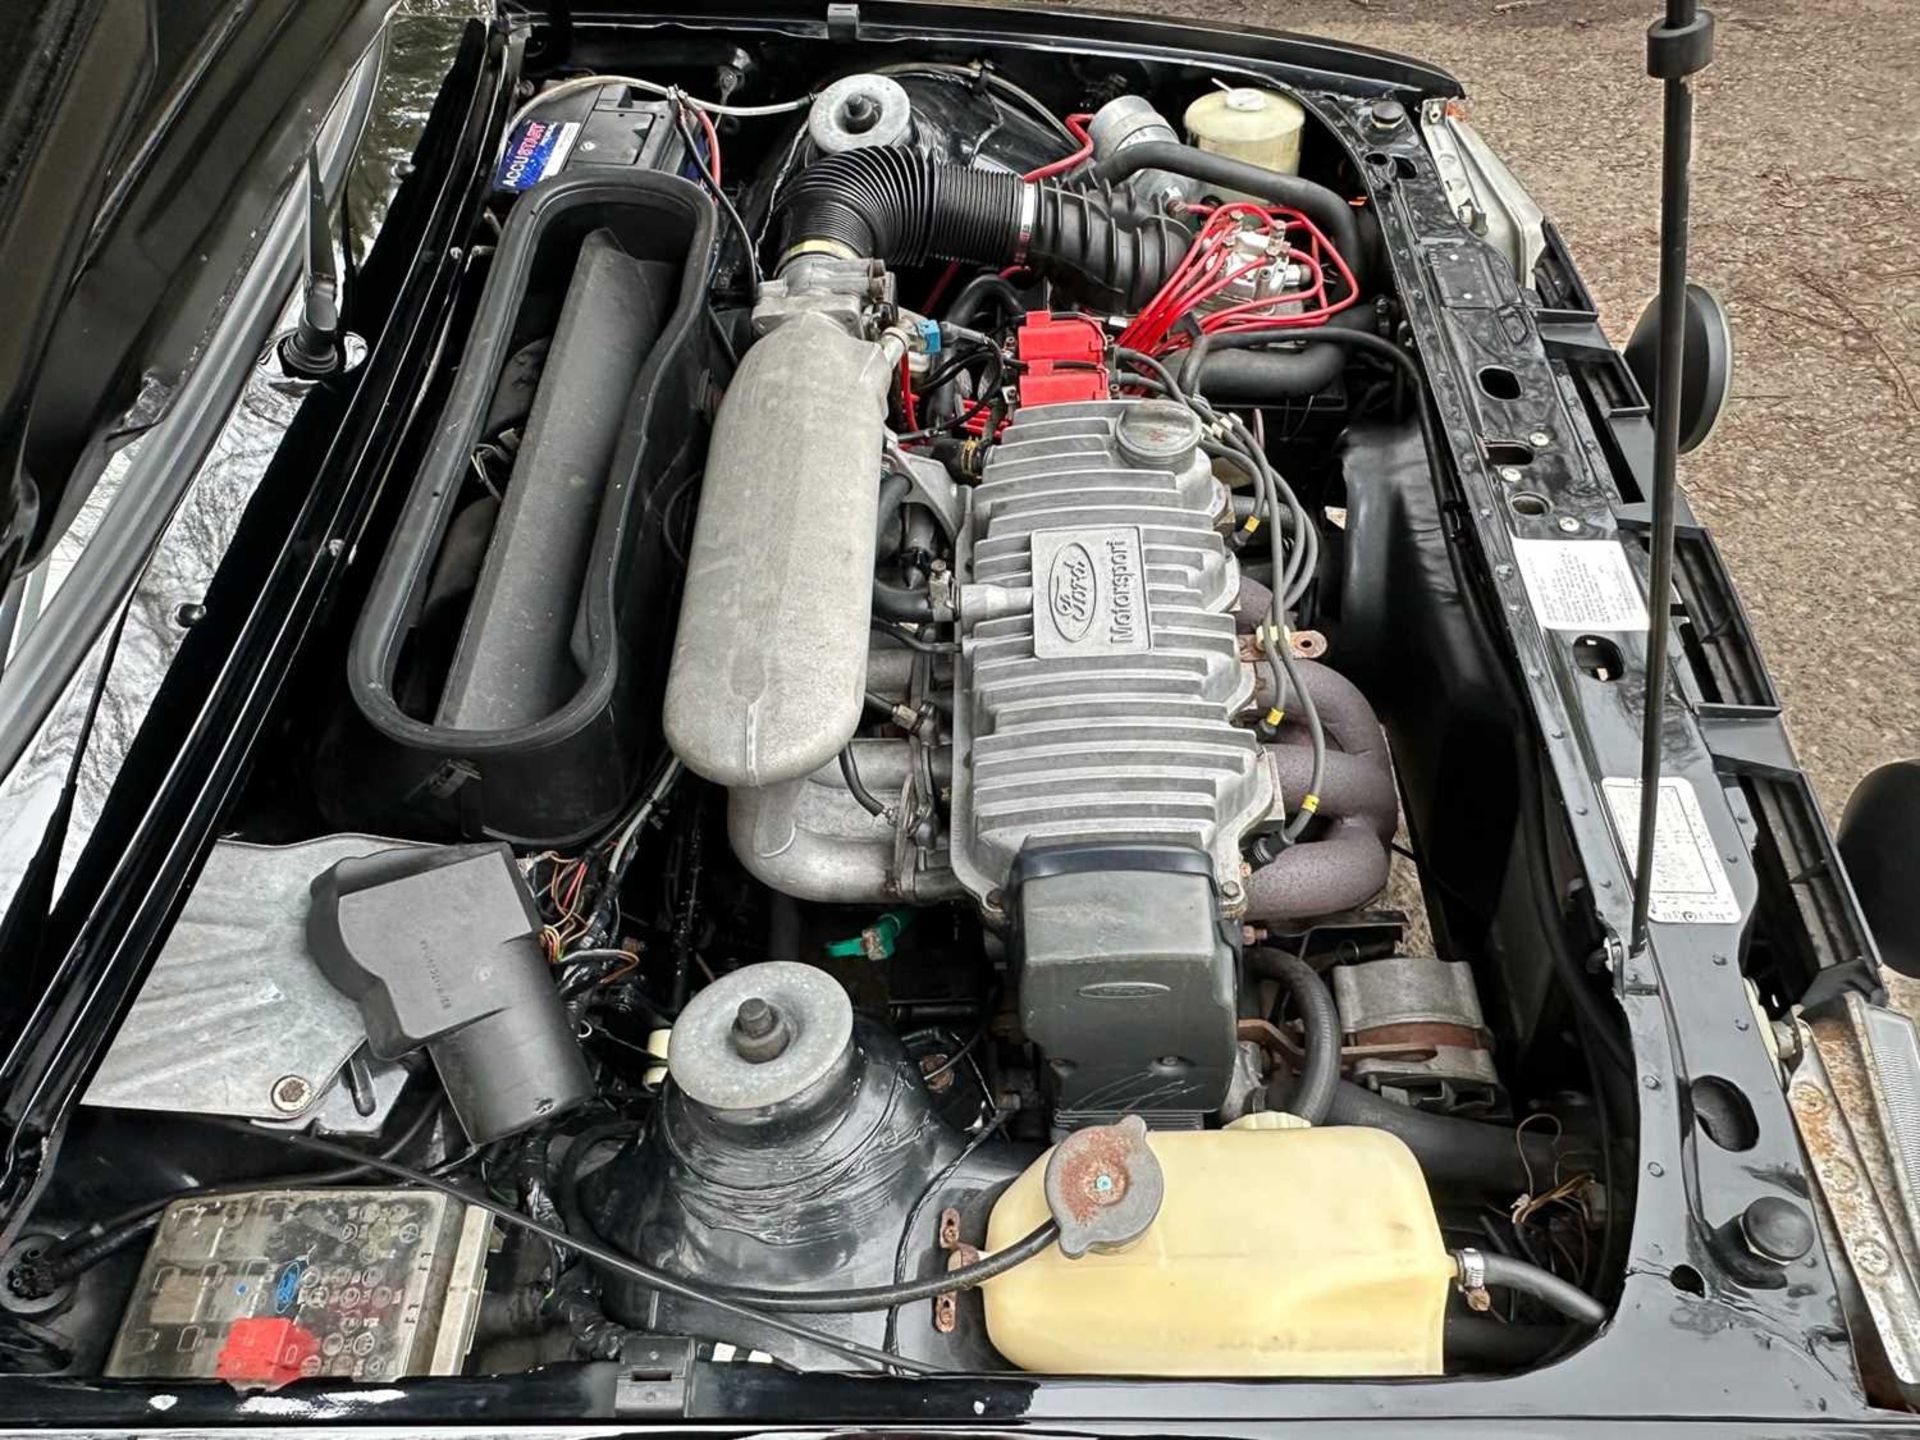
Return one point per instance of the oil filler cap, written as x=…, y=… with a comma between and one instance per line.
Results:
x=1104, y=1187
x=1156, y=434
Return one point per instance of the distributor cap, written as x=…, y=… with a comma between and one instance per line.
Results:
x=1103, y=1187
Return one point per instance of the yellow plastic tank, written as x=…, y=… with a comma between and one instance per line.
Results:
x=1246, y=123
x=1275, y=1252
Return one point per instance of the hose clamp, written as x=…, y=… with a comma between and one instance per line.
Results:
x=1029, y=218
x=1473, y=1278
x=943, y=593
x=832, y=248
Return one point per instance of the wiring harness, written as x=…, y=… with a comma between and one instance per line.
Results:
x=1234, y=278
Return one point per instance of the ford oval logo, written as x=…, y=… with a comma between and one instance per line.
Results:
x=1123, y=990
x=1073, y=591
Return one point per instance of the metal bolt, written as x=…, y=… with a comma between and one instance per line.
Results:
x=1540, y=439
x=760, y=1033
x=1511, y=474
x=1776, y=1229
x=188, y=615
x=860, y=114
x=1656, y=1169
x=1387, y=114
x=1652, y=1082
x=1570, y=525
x=938, y=1071
x=1102, y=1183
x=754, y=1018
x=292, y=1094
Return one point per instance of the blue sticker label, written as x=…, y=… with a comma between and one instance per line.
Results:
x=538, y=149
x=287, y=1290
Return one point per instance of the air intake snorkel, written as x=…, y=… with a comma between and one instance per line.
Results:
x=893, y=204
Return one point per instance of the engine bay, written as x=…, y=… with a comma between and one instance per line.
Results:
x=860, y=805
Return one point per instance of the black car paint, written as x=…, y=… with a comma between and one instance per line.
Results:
x=1690, y=1339
x=117, y=299
x=55, y=179
x=93, y=948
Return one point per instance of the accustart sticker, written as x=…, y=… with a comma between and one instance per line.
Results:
x=539, y=148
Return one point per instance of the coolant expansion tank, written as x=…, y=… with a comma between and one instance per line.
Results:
x=1275, y=1252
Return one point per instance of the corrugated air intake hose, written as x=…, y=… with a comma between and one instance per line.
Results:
x=896, y=205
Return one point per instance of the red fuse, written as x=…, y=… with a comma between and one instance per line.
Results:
x=1064, y=358
x=267, y=1350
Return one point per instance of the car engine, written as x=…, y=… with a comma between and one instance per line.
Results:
x=843, y=815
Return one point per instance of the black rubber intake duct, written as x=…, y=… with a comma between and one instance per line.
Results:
x=896, y=205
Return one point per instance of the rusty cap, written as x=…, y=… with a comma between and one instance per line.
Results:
x=1104, y=1187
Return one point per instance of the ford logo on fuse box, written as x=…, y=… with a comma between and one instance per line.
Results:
x=1073, y=591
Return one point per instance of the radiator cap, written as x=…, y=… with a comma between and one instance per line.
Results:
x=1104, y=1187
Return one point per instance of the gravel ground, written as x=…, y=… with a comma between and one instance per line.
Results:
x=1806, y=195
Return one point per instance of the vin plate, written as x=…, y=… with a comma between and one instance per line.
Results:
x=1690, y=885
x=1581, y=584
x=1089, y=593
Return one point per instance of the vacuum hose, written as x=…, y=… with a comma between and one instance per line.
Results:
x=1455, y=1153
x=1230, y=376
x=1312, y=1096
x=1542, y=1285
x=1326, y=208
x=897, y=205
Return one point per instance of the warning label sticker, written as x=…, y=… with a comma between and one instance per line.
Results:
x=1581, y=584
x=1690, y=885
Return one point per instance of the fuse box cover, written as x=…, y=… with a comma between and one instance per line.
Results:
x=270, y=1286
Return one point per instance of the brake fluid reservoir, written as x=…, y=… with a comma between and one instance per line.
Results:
x=1259, y=126
x=1273, y=1252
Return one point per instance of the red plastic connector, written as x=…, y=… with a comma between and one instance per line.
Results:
x=1064, y=358
x=266, y=1350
